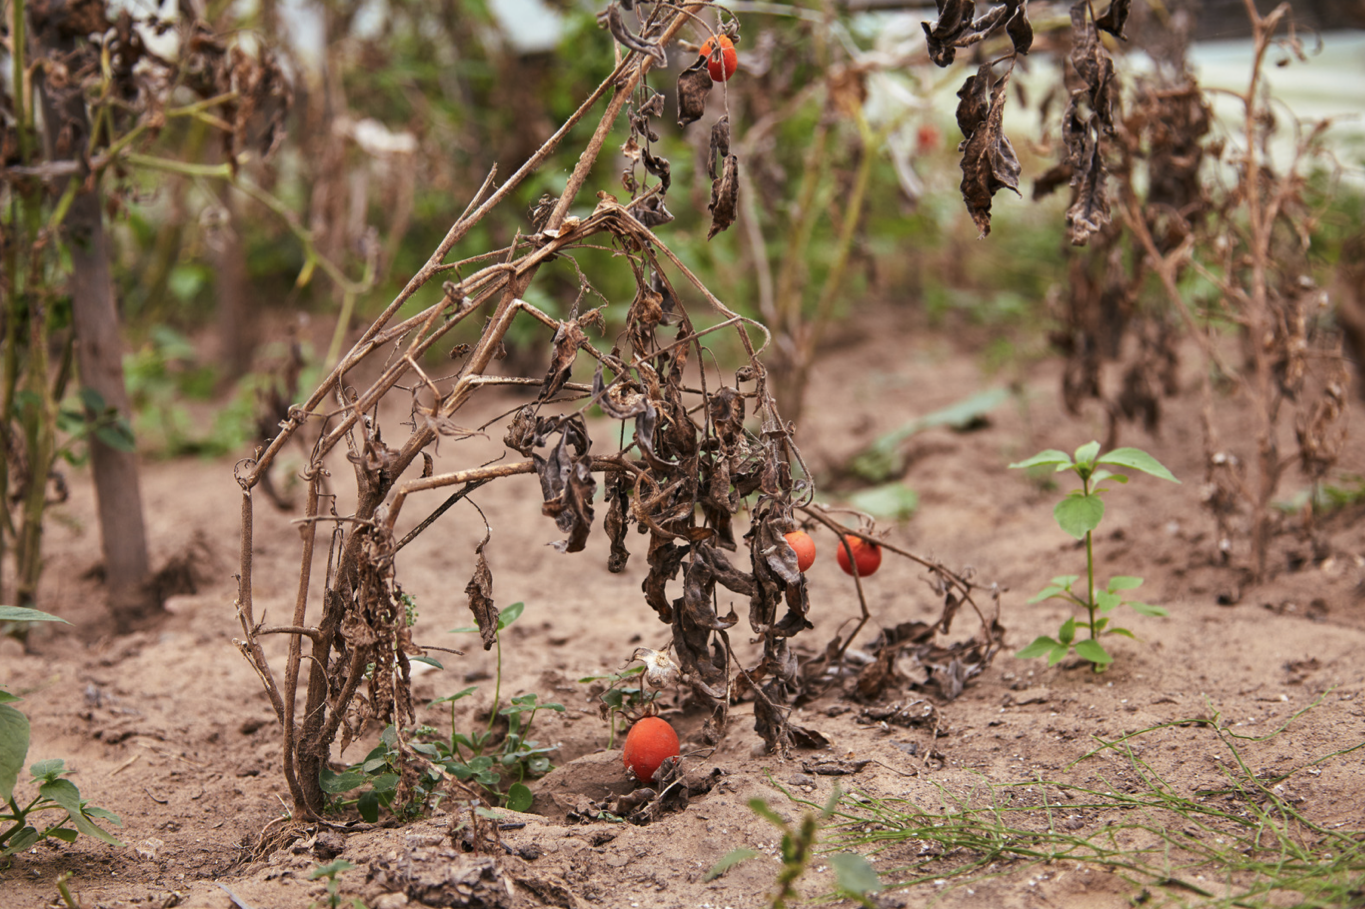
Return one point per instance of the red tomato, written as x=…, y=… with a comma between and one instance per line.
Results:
x=722, y=67
x=804, y=546
x=868, y=556
x=648, y=744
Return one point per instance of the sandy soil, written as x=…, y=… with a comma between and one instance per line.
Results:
x=169, y=727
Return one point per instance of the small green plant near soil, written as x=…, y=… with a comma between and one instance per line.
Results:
x=18, y=823
x=854, y=876
x=1078, y=514
x=620, y=700
x=330, y=871
x=1248, y=842
x=473, y=757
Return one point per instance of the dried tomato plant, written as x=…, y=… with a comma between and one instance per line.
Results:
x=680, y=477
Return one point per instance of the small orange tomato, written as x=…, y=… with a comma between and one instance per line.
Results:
x=722, y=66
x=648, y=744
x=867, y=556
x=804, y=547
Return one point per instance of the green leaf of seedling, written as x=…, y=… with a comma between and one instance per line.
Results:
x=1067, y=633
x=1052, y=590
x=63, y=793
x=368, y=806
x=48, y=770
x=1078, y=514
x=1040, y=647
x=14, y=733
x=24, y=614
x=728, y=861
x=21, y=841
x=613, y=698
x=337, y=783
x=1149, y=609
x=83, y=823
x=118, y=435
x=331, y=869
x=1066, y=580
x=430, y=749
x=1050, y=456
x=375, y=764
x=385, y=783
x=1099, y=626
x=1085, y=455
x=455, y=697
x=7, y=698
x=65, y=834
x=539, y=765
x=430, y=661
x=1137, y=459
x=760, y=808
x=1123, y=631
x=1124, y=582
x=510, y=615
x=1092, y=651
x=854, y=875
x=1106, y=601
x=1058, y=654
x=519, y=797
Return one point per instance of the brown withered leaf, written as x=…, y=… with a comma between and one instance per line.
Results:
x=955, y=28
x=616, y=23
x=694, y=84
x=617, y=520
x=724, y=197
x=480, y=593
x=1089, y=210
x=566, y=481
x=665, y=558
x=659, y=167
x=720, y=145
x=1115, y=18
x=988, y=160
x=568, y=339
x=651, y=211
x=1018, y=27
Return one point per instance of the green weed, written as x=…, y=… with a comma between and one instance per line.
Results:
x=1078, y=514
x=1244, y=843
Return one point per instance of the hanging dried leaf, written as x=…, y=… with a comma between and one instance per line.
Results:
x=659, y=167
x=480, y=593
x=566, y=479
x=724, y=197
x=616, y=23
x=652, y=212
x=568, y=338
x=955, y=28
x=988, y=160
x=694, y=84
x=1115, y=18
x=617, y=520
x=720, y=145
x=1089, y=212
x=1018, y=27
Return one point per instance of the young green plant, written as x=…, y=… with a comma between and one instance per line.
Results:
x=18, y=821
x=1078, y=514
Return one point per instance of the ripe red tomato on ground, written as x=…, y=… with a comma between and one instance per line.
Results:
x=649, y=742
x=868, y=556
x=804, y=547
x=720, y=69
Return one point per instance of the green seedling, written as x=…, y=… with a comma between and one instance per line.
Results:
x=330, y=871
x=1078, y=514
x=475, y=757
x=18, y=822
x=621, y=700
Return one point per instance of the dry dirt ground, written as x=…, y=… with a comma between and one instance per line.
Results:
x=169, y=728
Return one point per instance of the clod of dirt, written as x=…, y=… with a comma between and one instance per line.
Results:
x=591, y=778
x=443, y=877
